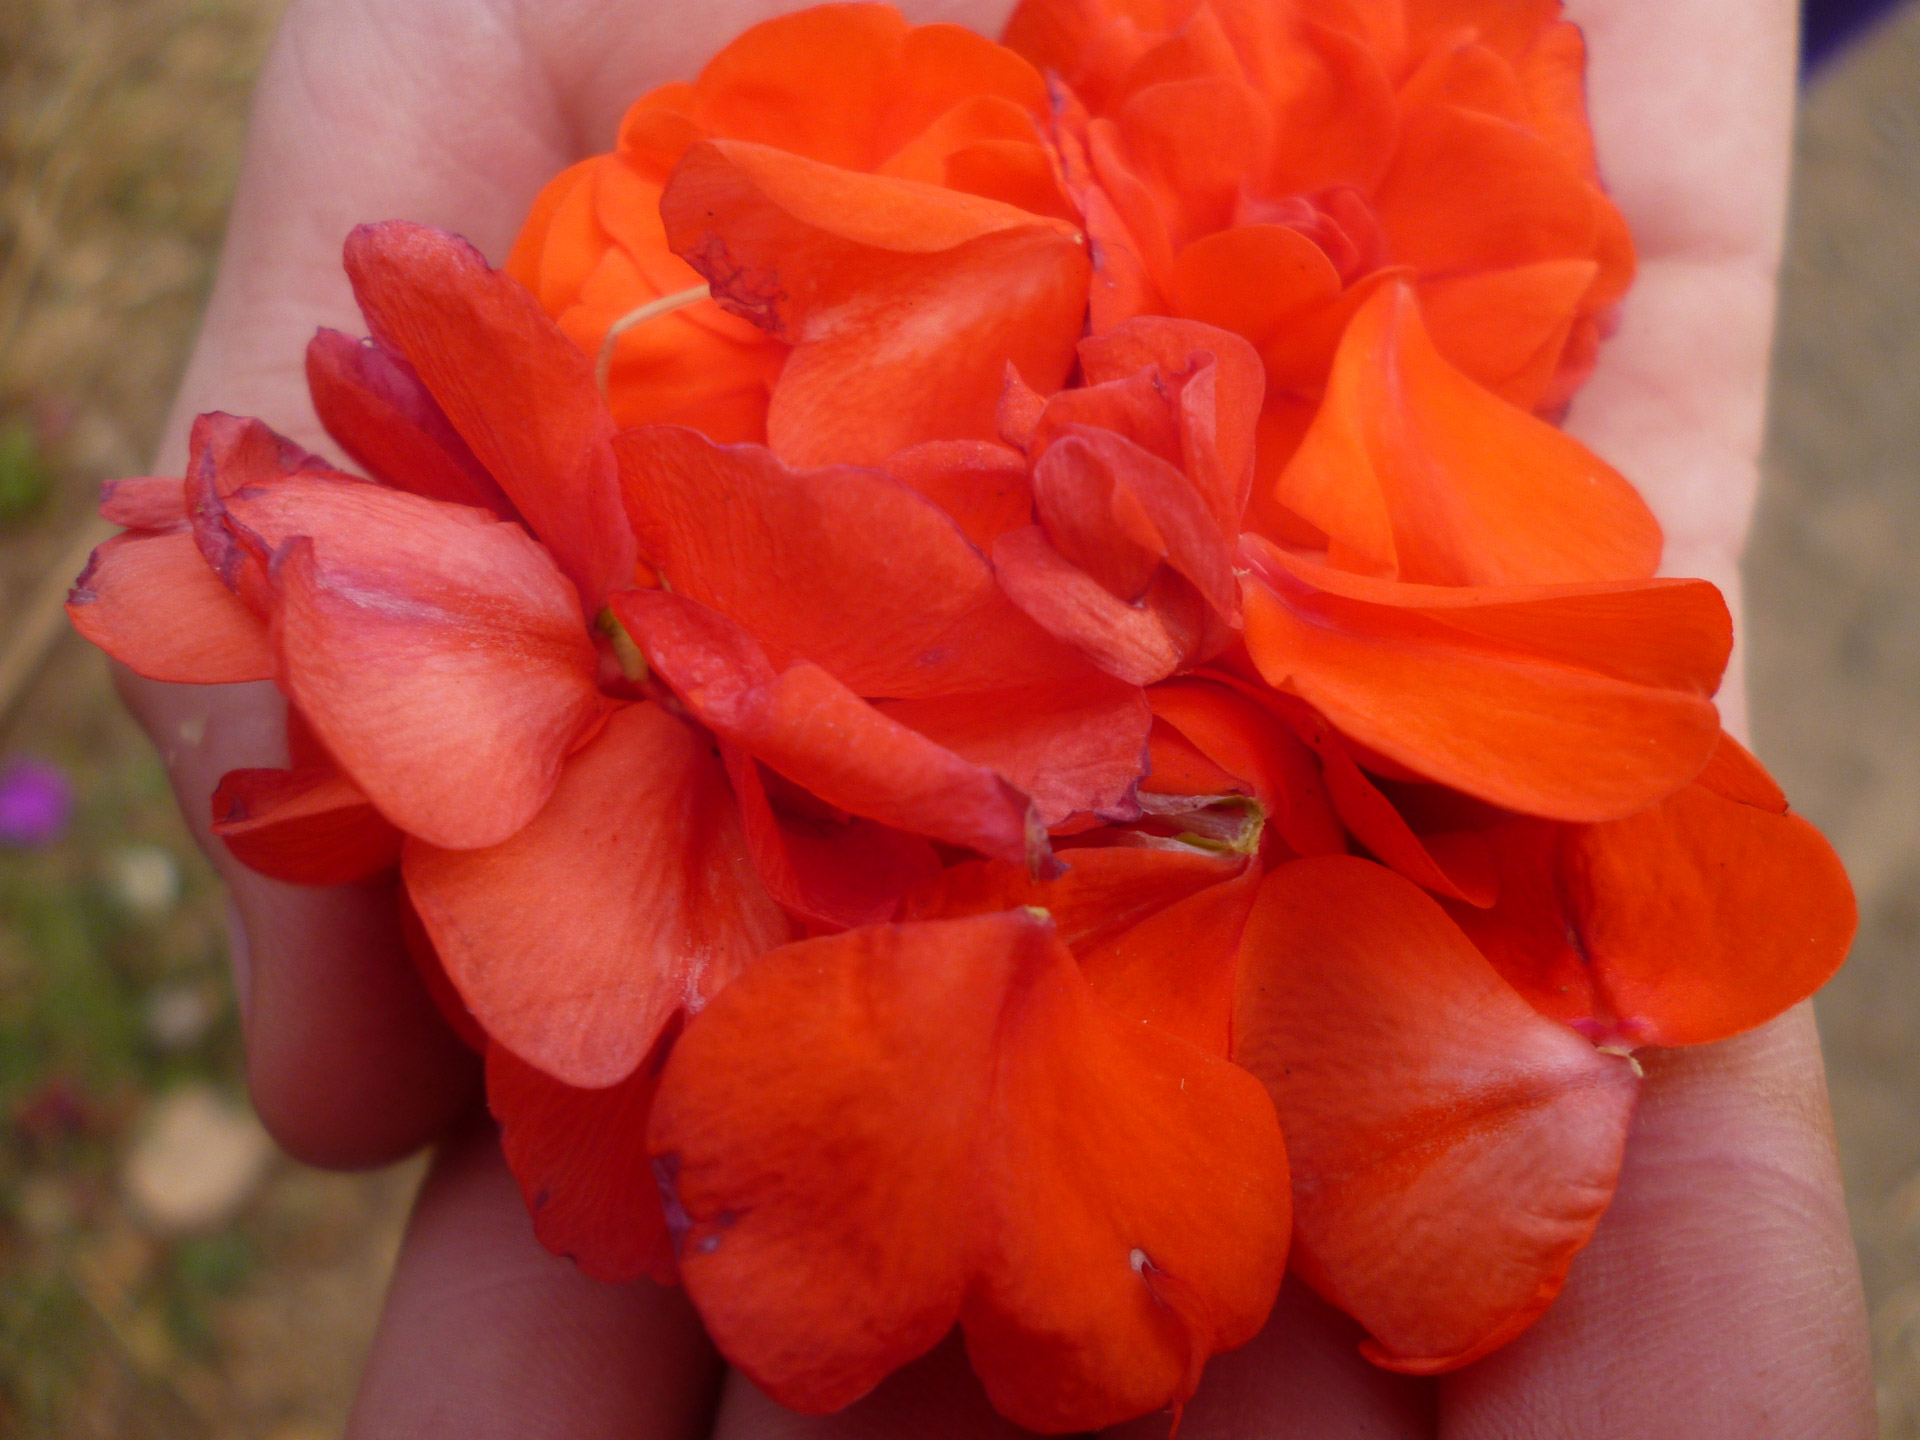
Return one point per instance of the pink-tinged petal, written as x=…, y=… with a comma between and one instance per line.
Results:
x=581, y=1159
x=375, y=407
x=144, y=502
x=981, y=485
x=518, y=391
x=629, y=897
x=1573, y=702
x=807, y=726
x=437, y=653
x=847, y=567
x=308, y=826
x=832, y=871
x=150, y=602
x=904, y=302
x=1076, y=749
x=1453, y=1149
x=1133, y=643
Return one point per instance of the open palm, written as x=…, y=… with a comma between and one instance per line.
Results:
x=1719, y=1297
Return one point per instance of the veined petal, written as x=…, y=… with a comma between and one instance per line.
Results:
x=436, y=652
x=1572, y=702
x=518, y=391
x=375, y=407
x=1094, y=1267
x=1454, y=1149
x=629, y=897
x=1073, y=749
x=149, y=601
x=308, y=826
x=809, y=727
x=847, y=567
x=905, y=302
x=1694, y=920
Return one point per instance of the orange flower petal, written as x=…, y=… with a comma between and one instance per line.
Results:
x=437, y=652
x=1103, y=891
x=1460, y=1147
x=905, y=302
x=1093, y=1267
x=1414, y=471
x=1076, y=749
x=150, y=602
x=847, y=567
x=1697, y=919
x=376, y=409
x=1572, y=702
x=807, y=726
x=518, y=391
x=1175, y=969
x=630, y=896
x=305, y=826
x=1510, y=329
x=581, y=1159
x=827, y=870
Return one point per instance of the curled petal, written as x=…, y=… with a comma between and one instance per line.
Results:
x=807, y=726
x=1093, y=1268
x=905, y=302
x=149, y=601
x=845, y=566
x=517, y=390
x=1572, y=702
x=437, y=653
x=1132, y=642
x=306, y=826
x=629, y=897
x=1455, y=1149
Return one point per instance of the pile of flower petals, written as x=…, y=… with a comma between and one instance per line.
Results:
x=1051, y=730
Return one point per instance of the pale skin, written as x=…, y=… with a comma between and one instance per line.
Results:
x=1720, y=1297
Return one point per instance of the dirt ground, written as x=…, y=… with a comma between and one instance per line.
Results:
x=120, y=122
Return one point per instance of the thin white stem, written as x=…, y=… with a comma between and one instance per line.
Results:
x=652, y=310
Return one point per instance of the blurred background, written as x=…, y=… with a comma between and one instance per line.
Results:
x=164, y=1274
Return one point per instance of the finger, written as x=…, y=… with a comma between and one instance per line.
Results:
x=485, y=1334
x=937, y=1397
x=348, y=1061
x=1720, y=1296
x=1302, y=1378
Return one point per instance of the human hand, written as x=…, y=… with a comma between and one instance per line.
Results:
x=1718, y=1297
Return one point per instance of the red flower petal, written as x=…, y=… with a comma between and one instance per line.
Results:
x=1455, y=1149
x=581, y=1159
x=809, y=727
x=519, y=392
x=1134, y=643
x=828, y=870
x=904, y=302
x=1692, y=921
x=1574, y=702
x=150, y=602
x=306, y=826
x=376, y=409
x=436, y=652
x=982, y=486
x=1093, y=1266
x=1076, y=749
x=630, y=896
x=1417, y=473
x=847, y=567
